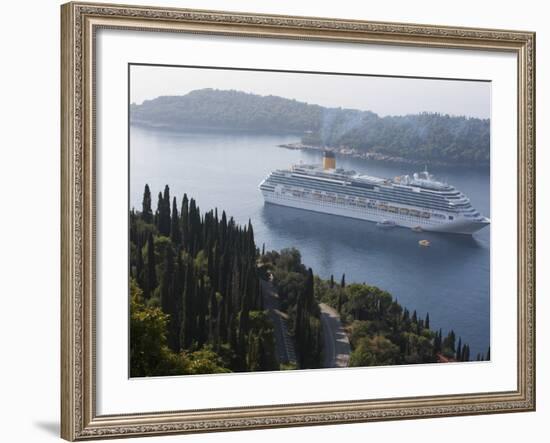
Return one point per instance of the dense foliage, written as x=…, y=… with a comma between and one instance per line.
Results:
x=196, y=304
x=382, y=332
x=195, y=292
x=426, y=136
x=295, y=288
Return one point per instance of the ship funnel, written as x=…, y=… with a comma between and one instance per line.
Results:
x=329, y=160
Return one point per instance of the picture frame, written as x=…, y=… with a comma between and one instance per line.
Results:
x=80, y=23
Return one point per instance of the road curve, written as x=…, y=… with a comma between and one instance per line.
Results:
x=336, y=347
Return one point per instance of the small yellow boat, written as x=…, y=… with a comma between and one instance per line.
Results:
x=424, y=243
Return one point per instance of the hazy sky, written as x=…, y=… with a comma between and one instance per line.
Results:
x=382, y=95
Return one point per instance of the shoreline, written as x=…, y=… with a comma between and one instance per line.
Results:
x=376, y=156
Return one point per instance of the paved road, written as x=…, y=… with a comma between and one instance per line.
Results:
x=336, y=347
x=285, y=346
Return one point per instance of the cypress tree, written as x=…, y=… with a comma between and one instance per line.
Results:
x=459, y=349
x=184, y=221
x=175, y=232
x=168, y=300
x=164, y=212
x=465, y=353
x=193, y=229
x=158, y=211
x=151, y=276
x=212, y=315
x=146, y=211
x=187, y=328
x=202, y=303
x=427, y=321
x=343, y=282
x=139, y=263
x=437, y=342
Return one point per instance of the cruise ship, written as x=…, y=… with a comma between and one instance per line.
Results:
x=418, y=202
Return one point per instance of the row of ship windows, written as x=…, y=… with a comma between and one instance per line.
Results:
x=332, y=195
x=395, y=216
x=408, y=201
x=405, y=199
x=362, y=203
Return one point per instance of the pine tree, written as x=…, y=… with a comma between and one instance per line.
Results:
x=146, y=211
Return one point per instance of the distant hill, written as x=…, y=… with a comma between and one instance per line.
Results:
x=426, y=136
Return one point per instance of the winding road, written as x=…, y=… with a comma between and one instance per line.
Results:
x=336, y=347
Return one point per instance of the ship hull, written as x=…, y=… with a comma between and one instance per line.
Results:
x=459, y=226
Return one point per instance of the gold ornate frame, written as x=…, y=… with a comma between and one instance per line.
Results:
x=79, y=22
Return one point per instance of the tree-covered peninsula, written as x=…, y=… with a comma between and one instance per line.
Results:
x=429, y=137
x=197, y=303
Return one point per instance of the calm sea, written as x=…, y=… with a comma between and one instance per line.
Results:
x=450, y=280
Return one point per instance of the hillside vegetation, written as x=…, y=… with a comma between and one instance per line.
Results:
x=425, y=136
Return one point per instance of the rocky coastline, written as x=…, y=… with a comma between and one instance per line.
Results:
x=376, y=156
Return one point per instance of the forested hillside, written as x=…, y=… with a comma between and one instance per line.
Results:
x=426, y=136
x=196, y=304
x=381, y=331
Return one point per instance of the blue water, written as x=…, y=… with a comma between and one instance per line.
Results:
x=450, y=279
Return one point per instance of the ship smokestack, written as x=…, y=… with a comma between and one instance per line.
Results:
x=329, y=160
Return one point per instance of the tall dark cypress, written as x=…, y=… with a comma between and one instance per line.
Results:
x=188, y=324
x=244, y=327
x=306, y=337
x=146, y=211
x=168, y=299
x=202, y=306
x=192, y=227
x=139, y=263
x=438, y=342
x=175, y=232
x=185, y=222
x=164, y=212
x=151, y=276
